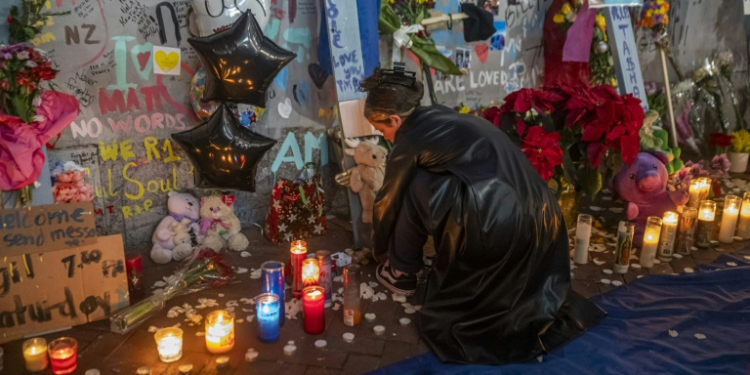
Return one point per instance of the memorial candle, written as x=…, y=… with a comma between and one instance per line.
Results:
x=729, y=218
x=583, y=236
x=624, y=246
x=699, y=189
x=35, y=354
x=668, y=234
x=273, y=282
x=743, y=228
x=298, y=254
x=650, y=241
x=169, y=344
x=326, y=278
x=63, y=355
x=686, y=230
x=705, y=228
x=268, y=312
x=313, y=303
x=310, y=272
x=219, y=332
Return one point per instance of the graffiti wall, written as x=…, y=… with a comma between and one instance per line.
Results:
x=105, y=52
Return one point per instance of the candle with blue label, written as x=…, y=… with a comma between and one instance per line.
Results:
x=267, y=311
x=273, y=282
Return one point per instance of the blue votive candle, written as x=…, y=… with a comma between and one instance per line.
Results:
x=267, y=312
x=273, y=282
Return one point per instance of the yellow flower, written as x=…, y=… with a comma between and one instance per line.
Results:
x=464, y=109
x=601, y=22
x=613, y=82
x=558, y=18
x=650, y=13
x=565, y=8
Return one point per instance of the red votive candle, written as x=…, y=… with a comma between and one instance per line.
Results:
x=63, y=355
x=298, y=254
x=134, y=271
x=313, y=303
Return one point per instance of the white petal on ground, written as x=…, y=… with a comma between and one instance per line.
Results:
x=605, y=281
x=673, y=333
x=616, y=282
x=607, y=271
x=689, y=270
x=700, y=336
x=731, y=264
x=598, y=262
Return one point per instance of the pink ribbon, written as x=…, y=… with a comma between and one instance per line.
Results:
x=578, y=43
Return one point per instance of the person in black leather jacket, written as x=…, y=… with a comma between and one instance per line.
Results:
x=499, y=290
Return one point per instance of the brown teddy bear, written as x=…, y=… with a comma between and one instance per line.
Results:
x=367, y=177
x=219, y=225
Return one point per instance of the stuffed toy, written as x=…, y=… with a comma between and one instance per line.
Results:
x=644, y=185
x=655, y=138
x=69, y=185
x=219, y=225
x=367, y=177
x=169, y=240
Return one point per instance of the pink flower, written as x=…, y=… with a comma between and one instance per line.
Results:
x=23, y=55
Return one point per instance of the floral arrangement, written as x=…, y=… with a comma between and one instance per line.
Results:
x=26, y=22
x=69, y=184
x=601, y=62
x=719, y=168
x=402, y=19
x=22, y=68
x=720, y=141
x=572, y=133
x=654, y=16
x=741, y=142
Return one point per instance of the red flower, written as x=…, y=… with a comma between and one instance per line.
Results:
x=492, y=114
x=720, y=140
x=10, y=20
x=543, y=150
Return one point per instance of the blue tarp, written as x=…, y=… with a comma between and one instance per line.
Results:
x=634, y=338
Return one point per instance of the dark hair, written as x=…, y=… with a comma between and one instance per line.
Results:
x=391, y=93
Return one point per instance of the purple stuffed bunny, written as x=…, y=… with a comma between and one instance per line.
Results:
x=644, y=185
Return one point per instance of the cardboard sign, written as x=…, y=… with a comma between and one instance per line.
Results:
x=46, y=228
x=58, y=289
x=625, y=53
x=353, y=120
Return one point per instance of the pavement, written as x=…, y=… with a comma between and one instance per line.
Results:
x=116, y=354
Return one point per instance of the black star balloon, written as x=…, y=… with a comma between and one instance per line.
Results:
x=240, y=62
x=224, y=153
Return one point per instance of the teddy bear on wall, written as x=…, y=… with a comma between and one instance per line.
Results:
x=172, y=239
x=219, y=225
x=367, y=177
x=644, y=185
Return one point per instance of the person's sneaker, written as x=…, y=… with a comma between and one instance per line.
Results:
x=404, y=284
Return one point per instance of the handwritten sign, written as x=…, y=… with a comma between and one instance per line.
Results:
x=58, y=289
x=627, y=67
x=46, y=228
x=346, y=49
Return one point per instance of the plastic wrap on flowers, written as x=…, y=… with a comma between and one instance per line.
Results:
x=555, y=70
x=204, y=269
x=21, y=155
x=246, y=114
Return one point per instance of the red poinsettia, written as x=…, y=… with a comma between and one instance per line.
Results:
x=524, y=100
x=492, y=114
x=543, y=150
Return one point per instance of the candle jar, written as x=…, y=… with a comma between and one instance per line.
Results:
x=310, y=271
x=729, y=218
x=667, y=237
x=219, y=332
x=705, y=228
x=583, y=236
x=63, y=355
x=134, y=271
x=686, y=230
x=169, y=344
x=35, y=354
x=743, y=228
x=699, y=189
x=352, y=312
x=298, y=254
x=325, y=280
x=624, y=246
x=650, y=241
x=313, y=304
x=267, y=311
x=273, y=282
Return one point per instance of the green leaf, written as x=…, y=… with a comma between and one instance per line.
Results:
x=591, y=181
x=388, y=22
x=426, y=51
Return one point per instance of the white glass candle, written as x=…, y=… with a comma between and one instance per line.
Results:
x=650, y=241
x=624, y=246
x=583, y=237
x=743, y=228
x=668, y=234
x=35, y=354
x=705, y=228
x=169, y=344
x=699, y=189
x=729, y=218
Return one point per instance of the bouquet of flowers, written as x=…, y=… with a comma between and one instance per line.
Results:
x=22, y=69
x=204, y=269
x=572, y=133
x=402, y=19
